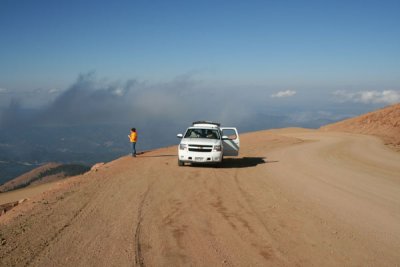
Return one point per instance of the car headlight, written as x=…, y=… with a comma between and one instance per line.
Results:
x=182, y=146
x=217, y=148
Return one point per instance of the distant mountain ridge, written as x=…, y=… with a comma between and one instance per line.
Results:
x=384, y=123
x=49, y=172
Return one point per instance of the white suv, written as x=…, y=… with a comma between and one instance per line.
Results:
x=207, y=142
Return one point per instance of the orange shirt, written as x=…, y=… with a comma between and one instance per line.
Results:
x=133, y=137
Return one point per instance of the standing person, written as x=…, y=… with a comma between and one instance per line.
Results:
x=133, y=139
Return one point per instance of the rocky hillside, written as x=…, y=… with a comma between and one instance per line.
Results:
x=46, y=173
x=384, y=123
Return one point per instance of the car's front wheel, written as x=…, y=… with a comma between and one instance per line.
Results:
x=180, y=163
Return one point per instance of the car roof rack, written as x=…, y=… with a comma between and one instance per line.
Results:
x=206, y=122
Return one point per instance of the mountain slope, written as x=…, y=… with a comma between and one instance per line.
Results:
x=384, y=123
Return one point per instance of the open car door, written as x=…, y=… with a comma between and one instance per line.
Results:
x=231, y=141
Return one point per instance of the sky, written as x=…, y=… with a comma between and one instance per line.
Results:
x=294, y=57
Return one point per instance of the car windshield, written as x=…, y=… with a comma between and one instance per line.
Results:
x=202, y=133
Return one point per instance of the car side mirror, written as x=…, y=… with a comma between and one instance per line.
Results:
x=225, y=137
x=179, y=135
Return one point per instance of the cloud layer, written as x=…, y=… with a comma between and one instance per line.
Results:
x=176, y=103
x=368, y=97
x=93, y=101
x=281, y=94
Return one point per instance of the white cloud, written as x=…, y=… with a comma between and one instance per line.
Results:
x=119, y=91
x=286, y=93
x=53, y=91
x=368, y=97
x=43, y=91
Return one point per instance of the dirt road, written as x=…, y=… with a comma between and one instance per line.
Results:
x=292, y=198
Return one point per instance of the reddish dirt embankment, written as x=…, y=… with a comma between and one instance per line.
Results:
x=384, y=123
x=292, y=198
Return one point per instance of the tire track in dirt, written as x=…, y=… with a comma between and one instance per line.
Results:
x=53, y=230
x=247, y=224
x=221, y=210
x=139, y=259
x=58, y=233
x=228, y=203
x=270, y=250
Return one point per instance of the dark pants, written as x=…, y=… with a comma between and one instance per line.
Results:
x=133, y=148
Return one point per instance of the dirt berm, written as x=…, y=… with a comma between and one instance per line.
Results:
x=294, y=197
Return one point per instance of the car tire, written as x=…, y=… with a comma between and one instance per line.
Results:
x=180, y=163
